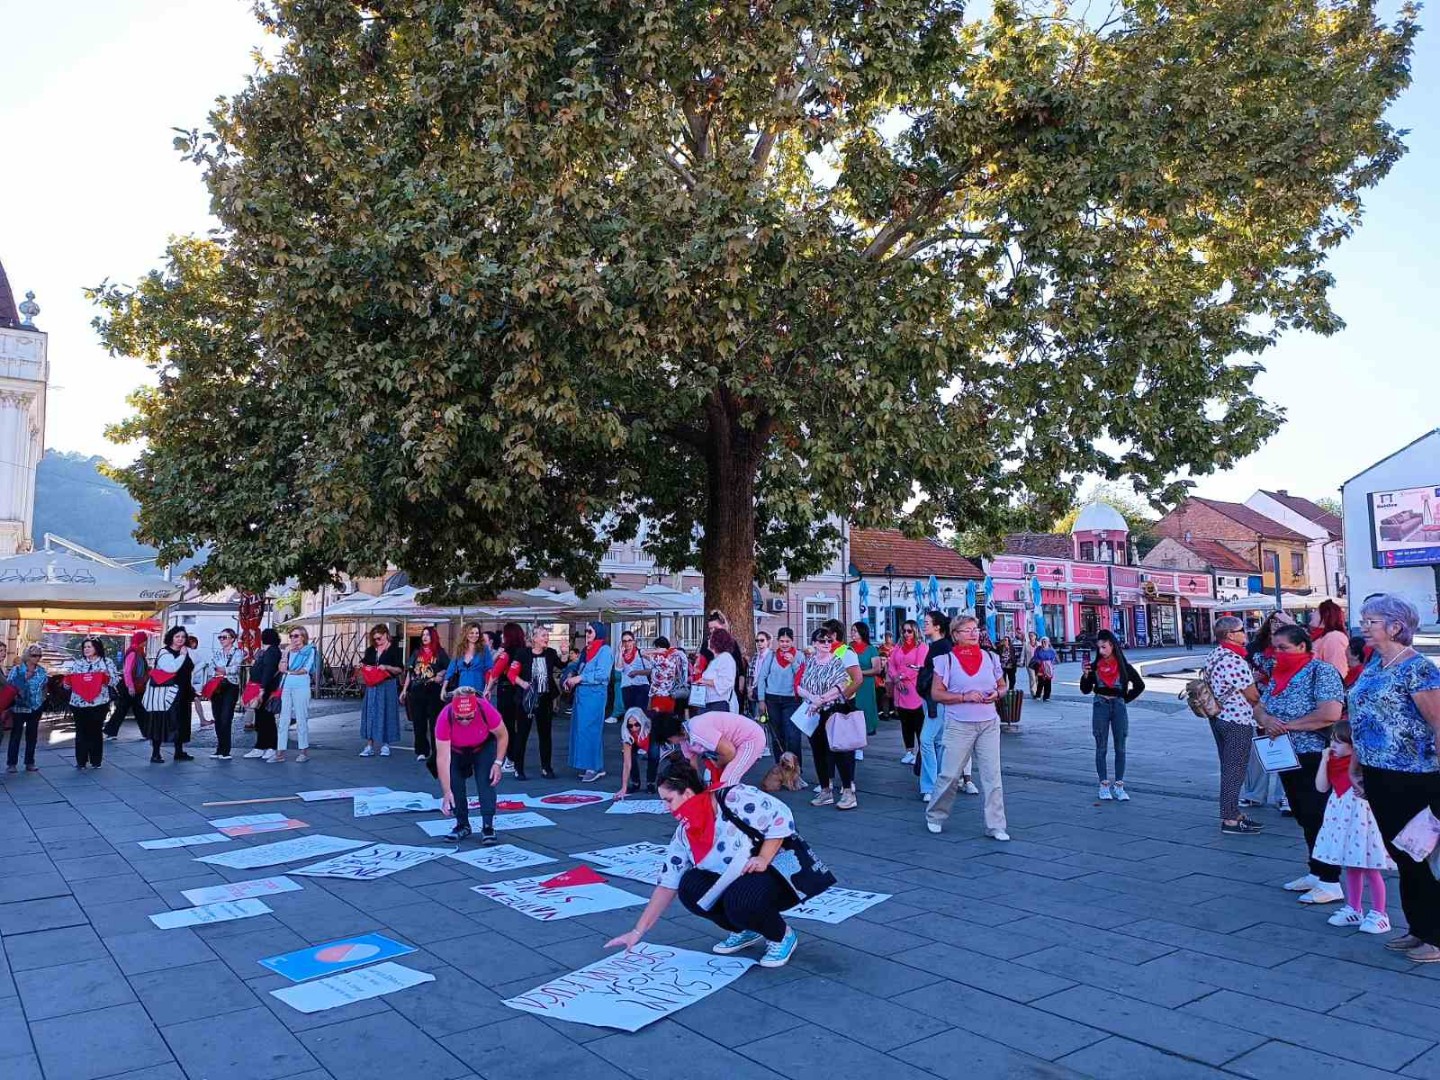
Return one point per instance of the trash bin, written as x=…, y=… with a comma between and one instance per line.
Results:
x=1009, y=707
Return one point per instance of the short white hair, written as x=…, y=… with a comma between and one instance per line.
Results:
x=634, y=714
x=1396, y=612
x=1225, y=626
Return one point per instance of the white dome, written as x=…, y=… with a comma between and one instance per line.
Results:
x=1100, y=517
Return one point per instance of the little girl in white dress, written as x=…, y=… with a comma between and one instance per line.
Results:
x=1350, y=838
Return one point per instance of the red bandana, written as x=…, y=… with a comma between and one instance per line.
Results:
x=1317, y=632
x=970, y=657
x=697, y=814
x=1287, y=666
x=425, y=654
x=1109, y=671
x=1238, y=650
x=785, y=655
x=627, y=653
x=593, y=649
x=858, y=645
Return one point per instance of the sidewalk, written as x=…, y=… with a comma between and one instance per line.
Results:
x=1106, y=940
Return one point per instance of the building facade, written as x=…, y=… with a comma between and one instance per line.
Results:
x=894, y=578
x=1262, y=541
x=24, y=375
x=1322, y=529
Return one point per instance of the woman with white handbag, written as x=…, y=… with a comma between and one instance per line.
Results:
x=826, y=684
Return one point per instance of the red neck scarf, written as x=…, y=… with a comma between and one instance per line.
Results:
x=1238, y=650
x=1352, y=674
x=697, y=814
x=627, y=653
x=593, y=649
x=426, y=654
x=858, y=645
x=1317, y=632
x=1109, y=671
x=1287, y=666
x=970, y=657
x=785, y=655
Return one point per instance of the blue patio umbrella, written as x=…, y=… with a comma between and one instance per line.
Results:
x=934, y=593
x=1038, y=596
x=864, y=598
x=919, y=598
x=970, y=596
x=990, y=606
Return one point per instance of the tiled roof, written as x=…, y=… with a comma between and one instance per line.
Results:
x=1253, y=520
x=1039, y=545
x=872, y=550
x=9, y=313
x=1219, y=556
x=1309, y=511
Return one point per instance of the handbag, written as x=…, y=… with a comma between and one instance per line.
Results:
x=813, y=877
x=250, y=696
x=845, y=730
x=211, y=685
x=373, y=675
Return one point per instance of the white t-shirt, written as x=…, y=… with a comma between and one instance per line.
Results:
x=722, y=671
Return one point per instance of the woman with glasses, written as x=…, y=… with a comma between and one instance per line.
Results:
x=775, y=683
x=635, y=741
x=902, y=669
x=827, y=682
x=29, y=679
x=587, y=717
x=224, y=666
x=634, y=667
x=1232, y=681
x=382, y=666
x=539, y=679
x=968, y=681
x=90, y=681
x=296, y=668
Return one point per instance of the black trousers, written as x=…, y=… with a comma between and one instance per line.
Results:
x=1308, y=806
x=126, y=704
x=1232, y=743
x=267, y=734
x=1043, y=685
x=829, y=761
x=422, y=705
x=171, y=723
x=222, y=705
x=1396, y=797
x=911, y=721
x=635, y=697
x=90, y=734
x=543, y=722
x=752, y=902
x=473, y=761
x=784, y=735
x=26, y=725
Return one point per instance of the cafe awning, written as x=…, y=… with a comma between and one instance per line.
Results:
x=61, y=585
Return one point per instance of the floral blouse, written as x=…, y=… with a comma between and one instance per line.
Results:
x=768, y=816
x=1229, y=675
x=1389, y=731
x=1317, y=681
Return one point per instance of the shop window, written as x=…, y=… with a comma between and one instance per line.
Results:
x=816, y=612
x=1087, y=551
x=1297, y=564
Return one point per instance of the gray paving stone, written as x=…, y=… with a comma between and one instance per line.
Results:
x=155, y=1072
x=1392, y=1014
x=175, y=994
x=28, y=916
x=726, y=1011
x=1187, y=1036
x=1021, y=1027
x=32, y=887
x=877, y=1024
x=524, y=1048
x=348, y=1049
x=109, y=890
x=872, y=974
x=243, y=952
x=1003, y=943
x=1270, y=984
x=1282, y=1061
x=1230, y=947
x=72, y=988
x=984, y=972
x=49, y=948
x=493, y=961
x=110, y=1041
x=453, y=1003
x=963, y=1055
x=154, y=950
x=1116, y=945
x=24, y=1067
x=421, y=923
x=12, y=1022
x=209, y=1048
x=1159, y=988
x=651, y=1054
x=1120, y=1057
x=1323, y=940
x=93, y=866
x=1425, y=1067
x=25, y=865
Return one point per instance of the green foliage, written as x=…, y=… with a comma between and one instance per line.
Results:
x=1330, y=503
x=497, y=281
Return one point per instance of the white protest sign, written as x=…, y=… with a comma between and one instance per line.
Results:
x=395, y=802
x=640, y=851
x=529, y=896
x=438, y=827
x=328, y=794
x=239, y=890
x=184, y=841
x=573, y=799
x=379, y=861
x=503, y=857
x=246, y=819
x=302, y=847
x=225, y=911
x=628, y=990
x=526, y=820
x=351, y=986
x=638, y=806
x=835, y=905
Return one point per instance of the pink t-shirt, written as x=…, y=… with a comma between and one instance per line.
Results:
x=949, y=671
x=467, y=736
x=707, y=729
x=902, y=675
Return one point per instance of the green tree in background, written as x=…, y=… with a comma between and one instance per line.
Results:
x=497, y=282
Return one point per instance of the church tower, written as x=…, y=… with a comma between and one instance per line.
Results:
x=24, y=372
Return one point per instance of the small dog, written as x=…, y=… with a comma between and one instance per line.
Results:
x=783, y=776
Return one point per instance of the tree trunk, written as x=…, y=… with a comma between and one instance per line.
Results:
x=727, y=552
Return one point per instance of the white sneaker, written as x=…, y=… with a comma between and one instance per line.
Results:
x=1105, y=793
x=1302, y=884
x=999, y=834
x=217, y=756
x=384, y=751
x=269, y=755
x=1346, y=916
x=1121, y=795
x=926, y=797
x=1324, y=893
x=255, y=754
x=1375, y=922
x=970, y=788
x=367, y=751
x=934, y=828
x=909, y=758
x=419, y=757
x=507, y=767
x=612, y=719
x=817, y=789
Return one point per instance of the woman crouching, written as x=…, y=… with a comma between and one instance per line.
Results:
x=711, y=838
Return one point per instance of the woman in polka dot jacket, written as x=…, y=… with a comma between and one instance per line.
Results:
x=708, y=846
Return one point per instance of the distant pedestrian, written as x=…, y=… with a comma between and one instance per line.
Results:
x=90, y=680
x=381, y=666
x=130, y=693
x=902, y=670
x=587, y=718
x=1115, y=684
x=420, y=693
x=866, y=699
x=1027, y=661
x=1042, y=666
x=1009, y=660
x=775, y=682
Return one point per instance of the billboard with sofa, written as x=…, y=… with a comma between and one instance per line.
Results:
x=1404, y=529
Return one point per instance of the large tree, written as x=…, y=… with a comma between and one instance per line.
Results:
x=497, y=282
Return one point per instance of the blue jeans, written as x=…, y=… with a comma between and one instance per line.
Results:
x=932, y=751
x=1110, y=716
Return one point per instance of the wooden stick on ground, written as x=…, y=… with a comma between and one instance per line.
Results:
x=248, y=802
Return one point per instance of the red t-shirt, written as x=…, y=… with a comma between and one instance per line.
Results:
x=467, y=736
x=1338, y=769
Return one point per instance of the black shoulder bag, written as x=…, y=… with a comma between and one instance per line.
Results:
x=813, y=877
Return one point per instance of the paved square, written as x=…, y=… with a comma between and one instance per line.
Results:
x=1107, y=940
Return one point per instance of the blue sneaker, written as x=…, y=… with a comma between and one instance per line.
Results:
x=741, y=939
x=778, y=953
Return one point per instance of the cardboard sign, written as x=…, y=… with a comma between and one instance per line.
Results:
x=532, y=897
x=570, y=800
x=224, y=911
x=239, y=890
x=371, y=863
x=335, y=956
x=835, y=905
x=184, y=841
x=256, y=828
x=302, y=847
x=245, y=819
x=328, y=794
x=638, y=806
x=521, y=821
x=493, y=860
x=396, y=802
x=350, y=987
x=628, y=990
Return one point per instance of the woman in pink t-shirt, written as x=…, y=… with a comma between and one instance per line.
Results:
x=736, y=740
x=906, y=660
x=470, y=737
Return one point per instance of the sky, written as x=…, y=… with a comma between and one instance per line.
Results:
x=90, y=189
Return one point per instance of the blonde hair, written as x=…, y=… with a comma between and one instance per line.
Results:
x=304, y=634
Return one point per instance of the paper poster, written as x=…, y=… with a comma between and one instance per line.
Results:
x=245, y=819
x=636, y=852
x=328, y=794
x=521, y=821
x=628, y=990
x=395, y=802
x=224, y=911
x=835, y=905
x=258, y=827
x=184, y=841
x=638, y=806
x=350, y=987
x=1277, y=754
x=302, y=847
x=335, y=956
x=379, y=861
x=239, y=890
x=493, y=860
x=438, y=827
x=531, y=896
x=508, y=805
x=570, y=800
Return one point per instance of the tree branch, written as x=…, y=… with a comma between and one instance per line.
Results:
x=912, y=249
x=686, y=176
x=785, y=97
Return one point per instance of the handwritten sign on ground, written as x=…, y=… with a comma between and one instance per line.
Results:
x=245, y=819
x=328, y=794
x=637, y=806
x=371, y=863
x=521, y=821
x=239, y=890
x=335, y=956
x=835, y=905
x=184, y=841
x=302, y=847
x=224, y=911
x=395, y=802
x=629, y=990
x=531, y=896
x=258, y=827
x=502, y=857
x=569, y=800
x=350, y=987
x=639, y=861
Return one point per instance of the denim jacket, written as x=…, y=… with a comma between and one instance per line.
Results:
x=30, y=696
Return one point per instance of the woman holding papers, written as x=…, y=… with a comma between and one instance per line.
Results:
x=167, y=710
x=1301, y=702
x=715, y=845
x=470, y=738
